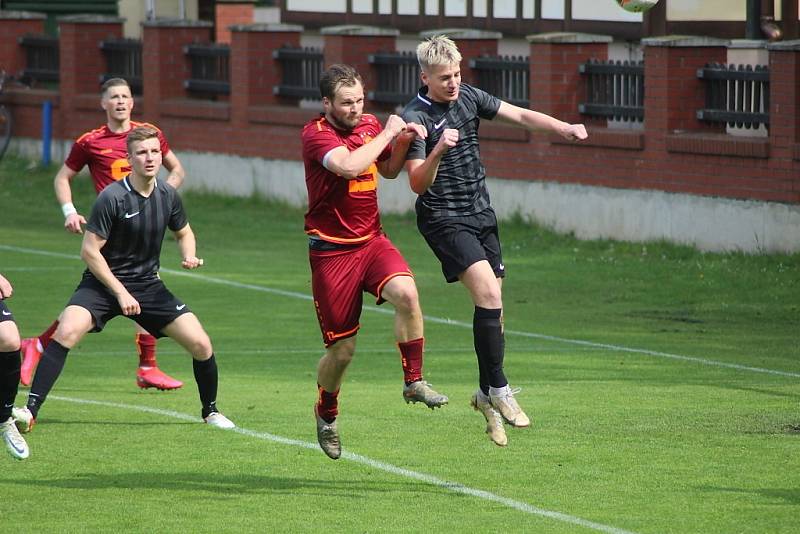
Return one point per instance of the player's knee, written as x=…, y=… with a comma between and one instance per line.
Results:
x=342, y=352
x=9, y=342
x=200, y=347
x=406, y=299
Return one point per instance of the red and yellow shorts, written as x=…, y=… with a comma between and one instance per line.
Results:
x=339, y=278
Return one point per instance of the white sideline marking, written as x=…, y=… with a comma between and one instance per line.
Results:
x=375, y=464
x=441, y=320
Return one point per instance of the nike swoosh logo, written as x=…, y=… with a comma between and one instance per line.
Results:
x=437, y=126
x=129, y=215
x=6, y=313
x=179, y=308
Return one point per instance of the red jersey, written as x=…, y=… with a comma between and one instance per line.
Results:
x=340, y=210
x=106, y=153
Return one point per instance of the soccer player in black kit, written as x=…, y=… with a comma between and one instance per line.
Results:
x=121, y=248
x=454, y=213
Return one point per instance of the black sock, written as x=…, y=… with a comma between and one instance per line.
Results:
x=9, y=382
x=205, y=374
x=487, y=332
x=50, y=366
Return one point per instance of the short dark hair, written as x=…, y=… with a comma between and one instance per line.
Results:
x=113, y=82
x=336, y=76
x=141, y=133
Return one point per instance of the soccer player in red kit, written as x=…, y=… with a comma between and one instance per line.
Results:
x=343, y=152
x=105, y=152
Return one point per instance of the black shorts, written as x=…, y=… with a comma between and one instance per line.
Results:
x=459, y=242
x=159, y=306
x=5, y=313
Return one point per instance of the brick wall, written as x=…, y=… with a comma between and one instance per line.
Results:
x=674, y=153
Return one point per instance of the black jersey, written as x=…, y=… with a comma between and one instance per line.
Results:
x=134, y=227
x=460, y=184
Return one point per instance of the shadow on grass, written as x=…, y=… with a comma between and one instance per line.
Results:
x=790, y=496
x=225, y=485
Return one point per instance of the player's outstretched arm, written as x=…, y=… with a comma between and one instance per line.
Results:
x=176, y=172
x=62, y=184
x=90, y=254
x=534, y=120
x=187, y=245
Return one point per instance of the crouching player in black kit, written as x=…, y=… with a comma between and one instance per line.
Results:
x=121, y=248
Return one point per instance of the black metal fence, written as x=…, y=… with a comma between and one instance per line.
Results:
x=210, y=69
x=614, y=89
x=397, y=77
x=301, y=68
x=123, y=60
x=41, y=58
x=506, y=77
x=738, y=96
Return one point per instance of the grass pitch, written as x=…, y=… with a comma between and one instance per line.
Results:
x=663, y=384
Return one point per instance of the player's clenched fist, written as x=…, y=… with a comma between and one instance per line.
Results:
x=448, y=140
x=395, y=125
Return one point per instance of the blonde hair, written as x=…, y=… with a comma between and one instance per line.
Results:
x=437, y=50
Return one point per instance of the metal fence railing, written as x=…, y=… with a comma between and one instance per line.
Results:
x=397, y=77
x=301, y=69
x=123, y=60
x=506, y=77
x=210, y=69
x=41, y=57
x=738, y=96
x=614, y=89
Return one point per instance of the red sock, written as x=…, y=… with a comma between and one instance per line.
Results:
x=146, y=346
x=411, y=358
x=44, y=338
x=327, y=404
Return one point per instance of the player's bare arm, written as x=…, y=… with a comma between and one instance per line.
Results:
x=187, y=245
x=422, y=173
x=176, y=171
x=62, y=185
x=534, y=120
x=350, y=165
x=392, y=166
x=90, y=254
x=5, y=288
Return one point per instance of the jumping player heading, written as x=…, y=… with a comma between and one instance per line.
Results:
x=454, y=213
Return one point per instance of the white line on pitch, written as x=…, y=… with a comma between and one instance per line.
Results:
x=375, y=464
x=442, y=320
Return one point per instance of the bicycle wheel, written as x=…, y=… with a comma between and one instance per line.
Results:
x=6, y=123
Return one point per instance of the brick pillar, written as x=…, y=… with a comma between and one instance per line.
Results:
x=13, y=25
x=82, y=63
x=672, y=91
x=229, y=13
x=471, y=44
x=556, y=87
x=164, y=64
x=254, y=72
x=352, y=44
x=784, y=99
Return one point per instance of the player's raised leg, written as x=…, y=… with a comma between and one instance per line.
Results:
x=401, y=292
x=148, y=375
x=189, y=333
x=485, y=290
